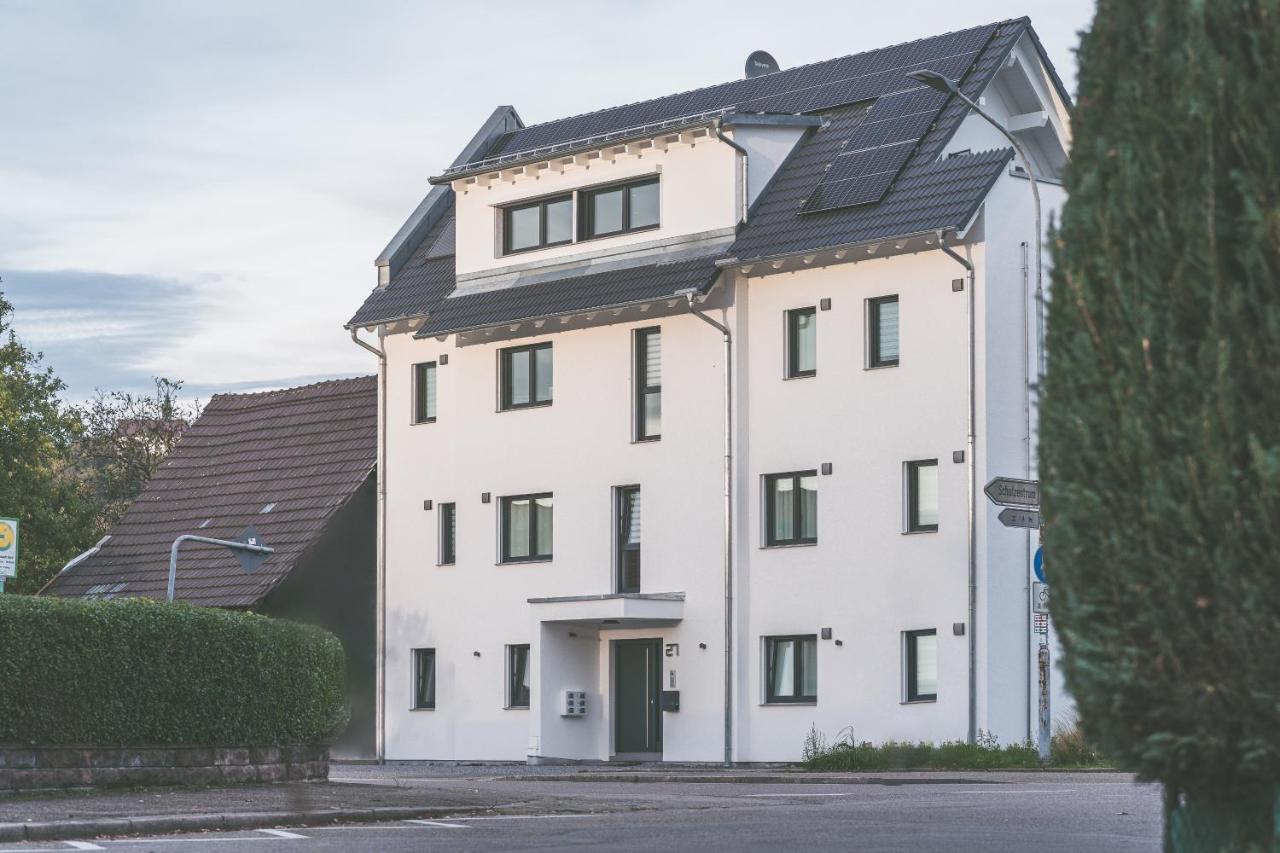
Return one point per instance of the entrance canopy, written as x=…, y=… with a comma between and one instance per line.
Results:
x=618, y=610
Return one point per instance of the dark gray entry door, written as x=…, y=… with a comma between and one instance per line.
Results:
x=637, y=680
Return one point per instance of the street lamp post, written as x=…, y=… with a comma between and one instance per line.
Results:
x=936, y=81
x=250, y=552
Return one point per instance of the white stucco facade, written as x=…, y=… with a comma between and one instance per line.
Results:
x=866, y=578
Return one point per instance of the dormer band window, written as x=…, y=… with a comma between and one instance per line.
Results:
x=619, y=209
x=601, y=212
x=538, y=224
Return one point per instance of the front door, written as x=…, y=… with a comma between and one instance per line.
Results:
x=637, y=680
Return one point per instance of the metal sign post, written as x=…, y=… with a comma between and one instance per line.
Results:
x=1021, y=502
x=247, y=546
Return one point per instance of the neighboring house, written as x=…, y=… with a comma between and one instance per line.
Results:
x=561, y=480
x=296, y=465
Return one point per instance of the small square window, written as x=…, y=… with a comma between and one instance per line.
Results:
x=802, y=343
x=791, y=669
x=525, y=376
x=424, y=679
x=922, y=665
x=922, y=496
x=448, y=534
x=526, y=528
x=518, y=676
x=791, y=508
x=424, y=392
x=882, y=332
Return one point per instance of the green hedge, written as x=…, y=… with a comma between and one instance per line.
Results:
x=138, y=672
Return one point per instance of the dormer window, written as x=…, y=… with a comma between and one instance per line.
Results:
x=537, y=224
x=619, y=209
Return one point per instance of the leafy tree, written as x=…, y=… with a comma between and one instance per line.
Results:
x=37, y=485
x=1160, y=433
x=125, y=438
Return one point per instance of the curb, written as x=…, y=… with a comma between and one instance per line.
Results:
x=787, y=778
x=60, y=830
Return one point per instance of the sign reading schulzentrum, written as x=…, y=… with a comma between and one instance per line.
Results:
x=8, y=547
x=1006, y=491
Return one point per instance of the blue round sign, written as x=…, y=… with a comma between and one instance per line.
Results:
x=1038, y=563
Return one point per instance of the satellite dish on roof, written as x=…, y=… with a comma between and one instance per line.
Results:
x=761, y=62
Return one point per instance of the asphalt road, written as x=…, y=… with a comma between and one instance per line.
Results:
x=1028, y=812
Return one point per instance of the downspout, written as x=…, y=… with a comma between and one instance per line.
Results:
x=971, y=471
x=690, y=295
x=380, y=655
x=1026, y=448
x=742, y=214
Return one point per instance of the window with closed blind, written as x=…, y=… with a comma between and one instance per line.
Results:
x=628, y=538
x=882, y=332
x=648, y=384
x=448, y=534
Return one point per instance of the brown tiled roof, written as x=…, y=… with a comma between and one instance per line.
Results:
x=302, y=451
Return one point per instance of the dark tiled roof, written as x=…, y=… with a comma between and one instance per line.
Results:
x=803, y=89
x=305, y=450
x=425, y=279
x=576, y=293
x=816, y=200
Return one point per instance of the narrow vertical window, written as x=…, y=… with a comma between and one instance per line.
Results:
x=526, y=528
x=525, y=376
x=882, y=331
x=424, y=678
x=922, y=665
x=448, y=534
x=648, y=384
x=791, y=669
x=518, y=676
x=802, y=343
x=424, y=392
x=922, y=496
x=791, y=508
x=628, y=537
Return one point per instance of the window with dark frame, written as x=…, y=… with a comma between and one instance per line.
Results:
x=518, y=676
x=802, y=342
x=791, y=669
x=648, y=384
x=424, y=392
x=424, y=679
x=882, y=331
x=628, y=538
x=618, y=209
x=537, y=224
x=448, y=534
x=922, y=496
x=526, y=376
x=922, y=665
x=526, y=528
x=791, y=508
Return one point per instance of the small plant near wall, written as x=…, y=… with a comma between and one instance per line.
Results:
x=847, y=753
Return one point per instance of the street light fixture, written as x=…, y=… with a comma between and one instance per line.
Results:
x=938, y=82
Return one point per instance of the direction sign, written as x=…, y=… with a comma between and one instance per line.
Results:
x=1006, y=491
x=8, y=548
x=1012, y=517
x=250, y=560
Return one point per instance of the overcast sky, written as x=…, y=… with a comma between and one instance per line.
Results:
x=198, y=189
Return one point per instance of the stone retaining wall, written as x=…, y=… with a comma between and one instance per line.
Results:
x=36, y=768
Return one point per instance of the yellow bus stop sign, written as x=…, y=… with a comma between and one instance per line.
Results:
x=8, y=547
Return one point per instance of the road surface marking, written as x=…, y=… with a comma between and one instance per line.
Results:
x=280, y=833
x=806, y=794
x=438, y=823
x=83, y=845
x=532, y=816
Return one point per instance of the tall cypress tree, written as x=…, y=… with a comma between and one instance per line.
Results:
x=1160, y=434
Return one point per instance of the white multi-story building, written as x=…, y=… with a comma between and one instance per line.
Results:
x=686, y=409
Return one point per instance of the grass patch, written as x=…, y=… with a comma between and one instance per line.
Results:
x=1068, y=749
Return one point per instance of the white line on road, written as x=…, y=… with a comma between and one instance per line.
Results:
x=806, y=794
x=83, y=845
x=281, y=833
x=533, y=816
x=438, y=823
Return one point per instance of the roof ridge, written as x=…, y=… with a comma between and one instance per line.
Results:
x=1024, y=19
x=276, y=392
